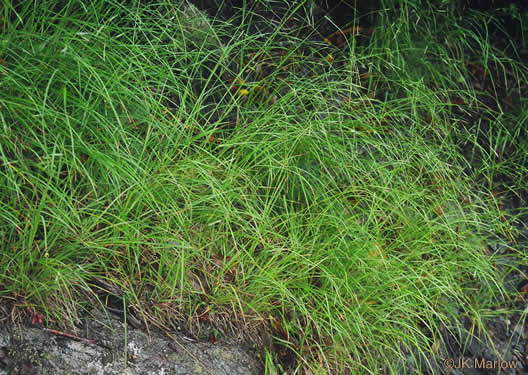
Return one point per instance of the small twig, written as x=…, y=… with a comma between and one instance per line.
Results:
x=131, y=319
x=70, y=335
x=106, y=286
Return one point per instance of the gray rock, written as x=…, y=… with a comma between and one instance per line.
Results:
x=113, y=348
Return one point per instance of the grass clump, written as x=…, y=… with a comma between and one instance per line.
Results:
x=223, y=177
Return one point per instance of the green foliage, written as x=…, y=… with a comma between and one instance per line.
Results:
x=320, y=213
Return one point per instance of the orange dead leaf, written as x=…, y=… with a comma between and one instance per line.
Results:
x=436, y=179
x=364, y=76
x=524, y=289
x=338, y=38
x=377, y=251
x=457, y=101
x=428, y=118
